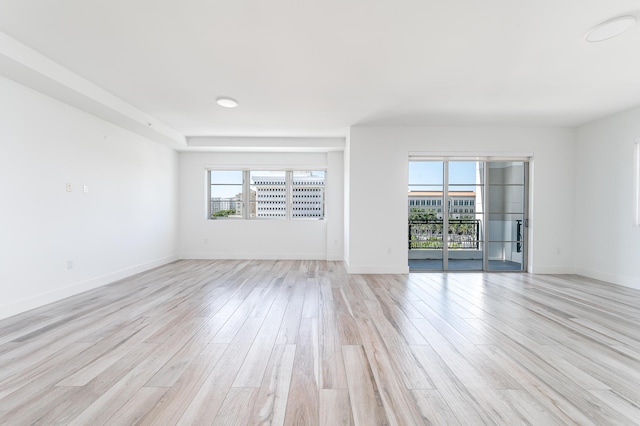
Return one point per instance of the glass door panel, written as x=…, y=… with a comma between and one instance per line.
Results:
x=506, y=172
x=425, y=211
x=506, y=206
x=465, y=188
x=506, y=199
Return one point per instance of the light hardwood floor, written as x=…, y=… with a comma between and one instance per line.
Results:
x=302, y=342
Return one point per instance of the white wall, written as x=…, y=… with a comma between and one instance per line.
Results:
x=378, y=170
x=607, y=243
x=335, y=206
x=201, y=238
x=125, y=224
x=347, y=198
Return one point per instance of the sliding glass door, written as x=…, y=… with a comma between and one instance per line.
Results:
x=507, y=215
x=467, y=215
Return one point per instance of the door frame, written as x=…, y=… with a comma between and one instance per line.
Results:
x=526, y=159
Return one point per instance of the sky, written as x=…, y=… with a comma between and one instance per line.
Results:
x=423, y=175
x=428, y=175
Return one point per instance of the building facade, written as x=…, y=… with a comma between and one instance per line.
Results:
x=461, y=203
x=307, y=196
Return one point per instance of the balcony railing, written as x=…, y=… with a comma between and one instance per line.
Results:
x=464, y=234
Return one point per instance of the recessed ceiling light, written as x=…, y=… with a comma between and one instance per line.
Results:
x=611, y=28
x=227, y=102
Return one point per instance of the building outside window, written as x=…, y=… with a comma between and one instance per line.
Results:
x=434, y=198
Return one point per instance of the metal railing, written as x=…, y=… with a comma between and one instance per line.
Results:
x=464, y=234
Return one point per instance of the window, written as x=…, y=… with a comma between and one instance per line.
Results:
x=307, y=189
x=268, y=190
x=226, y=193
x=267, y=194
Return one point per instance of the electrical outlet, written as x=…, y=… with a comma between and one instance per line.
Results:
x=68, y=186
x=85, y=188
x=69, y=264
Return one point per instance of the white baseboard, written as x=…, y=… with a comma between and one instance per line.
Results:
x=335, y=258
x=612, y=278
x=547, y=270
x=254, y=256
x=77, y=288
x=375, y=269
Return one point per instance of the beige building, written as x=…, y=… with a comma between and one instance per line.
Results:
x=461, y=203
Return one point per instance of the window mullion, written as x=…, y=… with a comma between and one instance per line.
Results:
x=209, y=202
x=246, y=194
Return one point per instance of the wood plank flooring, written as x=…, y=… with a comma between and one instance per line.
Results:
x=304, y=343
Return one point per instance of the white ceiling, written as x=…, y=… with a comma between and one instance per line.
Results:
x=313, y=68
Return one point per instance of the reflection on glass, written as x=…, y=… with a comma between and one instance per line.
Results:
x=506, y=199
x=505, y=256
x=465, y=261
x=506, y=173
x=506, y=227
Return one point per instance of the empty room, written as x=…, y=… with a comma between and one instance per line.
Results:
x=319, y=213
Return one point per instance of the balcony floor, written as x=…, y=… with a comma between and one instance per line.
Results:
x=416, y=265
